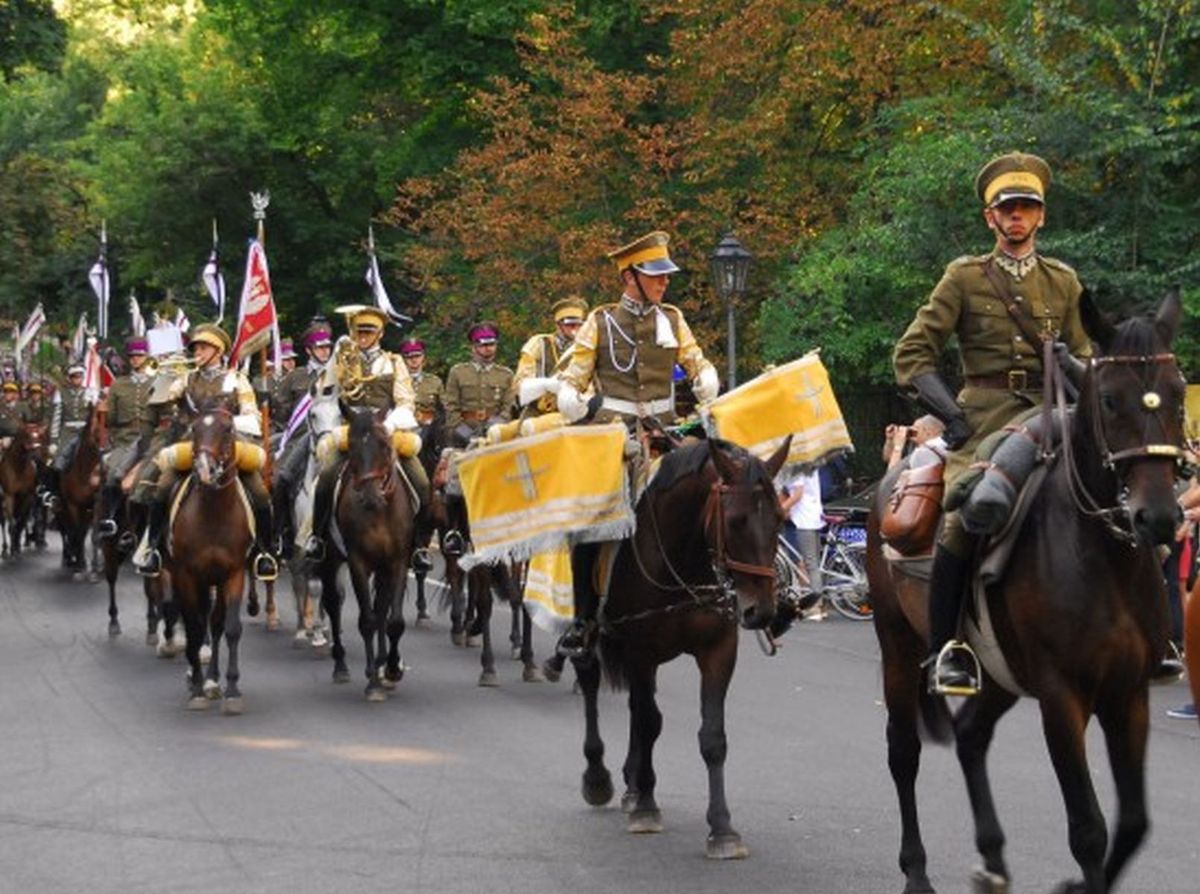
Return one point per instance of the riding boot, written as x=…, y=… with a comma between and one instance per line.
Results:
x=948, y=664
x=149, y=563
x=415, y=472
x=314, y=549
x=580, y=638
x=110, y=501
x=265, y=566
x=281, y=504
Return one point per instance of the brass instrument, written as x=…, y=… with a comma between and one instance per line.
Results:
x=348, y=369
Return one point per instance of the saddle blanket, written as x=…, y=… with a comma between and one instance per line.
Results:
x=543, y=492
x=794, y=399
x=549, y=590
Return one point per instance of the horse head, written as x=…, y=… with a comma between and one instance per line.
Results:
x=1131, y=418
x=742, y=519
x=214, y=454
x=371, y=457
x=324, y=414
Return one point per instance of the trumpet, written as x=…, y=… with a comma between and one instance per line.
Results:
x=348, y=369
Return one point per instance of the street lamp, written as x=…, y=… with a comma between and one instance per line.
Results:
x=730, y=265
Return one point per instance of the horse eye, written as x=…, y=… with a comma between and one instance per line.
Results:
x=1108, y=402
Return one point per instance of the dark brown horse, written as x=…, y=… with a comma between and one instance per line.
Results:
x=209, y=539
x=374, y=514
x=18, y=487
x=78, y=486
x=699, y=564
x=1079, y=613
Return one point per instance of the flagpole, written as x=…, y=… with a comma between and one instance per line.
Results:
x=259, y=201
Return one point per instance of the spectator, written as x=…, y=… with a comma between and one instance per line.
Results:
x=900, y=440
x=802, y=504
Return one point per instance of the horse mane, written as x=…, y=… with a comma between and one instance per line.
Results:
x=686, y=462
x=1137, y=336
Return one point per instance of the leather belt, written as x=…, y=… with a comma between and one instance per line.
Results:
x=638, y=408
x=1013, y=380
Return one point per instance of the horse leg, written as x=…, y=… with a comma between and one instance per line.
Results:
x=271, y=609
x=114, y=624
x=531, y=673
x=215, y=610
x=303, y=599
x=1064, y=721
x=422, y=605
x=455, y=581
x=153, y=611
x=1125, y=727
x=360, y=579
x=194, y=621
x=481, y=591
x=597, y=781
x=331, y=599
x=645, y=724
x=974, y=726
x=230, y=596
x=716, y=670
x=394, y=670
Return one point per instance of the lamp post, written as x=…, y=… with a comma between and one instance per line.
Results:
x=730, y=265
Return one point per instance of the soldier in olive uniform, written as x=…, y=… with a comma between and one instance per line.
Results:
x=12, y=411
x=1002, y=371
x=477, y=390
x=281, y=398
x=208, y=382
x=427, y=387
x=68, y=416
x=129, y=421
x=37, y=410
x=541, y=356
x=626, y=352
x=290, y=466
x=382, y=383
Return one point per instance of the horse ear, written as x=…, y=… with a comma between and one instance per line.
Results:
x=723, y=463
x=1166, y=322
x=776, y=460
x=1095, y=322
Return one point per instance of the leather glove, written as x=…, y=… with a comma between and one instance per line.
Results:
x=935, y=394
x=1073, y=368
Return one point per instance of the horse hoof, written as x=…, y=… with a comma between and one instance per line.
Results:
x=212, y=690
x=489, y=678
x=599, y=791
x=645, y=822
x=726, y=847
x=166, y=649
x=341, y=676
x=533, y=674
x=197, y=703
x=422, y=615
x=272, y=622
x=471, y=642
x=551, y=671
x=114, y=628
x=376, y=694
x=300, y=638
x=458, y=639
x=386, y=683
x=79, y=577
x=984, y=882
x=152, y=638
x=629, y=801
x=1072, y=887
x=233, y=707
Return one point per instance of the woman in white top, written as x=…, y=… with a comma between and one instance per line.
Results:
x=806, y=517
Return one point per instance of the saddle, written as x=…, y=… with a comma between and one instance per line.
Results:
x=181, y=490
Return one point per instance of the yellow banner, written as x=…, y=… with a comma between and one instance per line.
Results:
x=1191, y=413
x=794, y=399
x=540, y=493
x=549, y=590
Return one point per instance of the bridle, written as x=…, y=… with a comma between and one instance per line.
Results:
x=386, y=476
x=1116, y=519
x=225, y=470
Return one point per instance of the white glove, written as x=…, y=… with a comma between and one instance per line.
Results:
x=706, y=385
x=571, y=403
x=52, y=449
x=401, y=418
x=532, y=388
x=248, y=424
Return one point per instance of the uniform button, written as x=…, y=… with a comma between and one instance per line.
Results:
x=1017, y=298
x=1016, y=338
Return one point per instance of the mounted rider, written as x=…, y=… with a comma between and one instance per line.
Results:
x=542, y=354
x=37, y=411
x=427, y=387
x=980, y=300
x=626, y=352
x=368, y=378
x=129, y=423
x=477, y=390
x=294, y=387
x=282, y=400
x=210, y=381
x=12, y=411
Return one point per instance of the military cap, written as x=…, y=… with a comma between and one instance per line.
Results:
x=646, y=255
x=485, y=333
x=411, y=346
x=210, y=334
x=286, y=350
x=76, y=369
x=135, y=346
x=1016, y=175
x=318, y=334
x=12, y=386
x=570, y=310
x=34, y=388
x=361, y=316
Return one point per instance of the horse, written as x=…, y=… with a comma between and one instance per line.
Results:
x=209, y=540
x=434, y=438
x=78, y=486
x=1079, y=613
x=375, y=518
x=18, y=487
x=699, y=564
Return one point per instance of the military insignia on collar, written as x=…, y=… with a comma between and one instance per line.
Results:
x=1016, y=267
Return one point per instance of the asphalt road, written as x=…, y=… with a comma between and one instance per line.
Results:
x=108, y=785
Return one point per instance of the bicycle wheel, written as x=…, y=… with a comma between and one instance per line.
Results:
x=849, y=593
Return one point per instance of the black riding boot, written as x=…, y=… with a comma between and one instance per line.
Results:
x=415, y=472
x=156, y=526
x=954, y=672
x=281, y=505
x=580, y=638
x=265, y=566
x=314, y=549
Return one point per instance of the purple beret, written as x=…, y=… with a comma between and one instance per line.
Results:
x=286, y=350
x=135, y=346
x=484, y=334
x=412, y=346
x=318, y=336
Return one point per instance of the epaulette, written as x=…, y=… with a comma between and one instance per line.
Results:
x=1057, y=264
x=964, y=260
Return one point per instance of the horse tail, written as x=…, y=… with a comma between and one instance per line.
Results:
x=936, y=724
x=611, y=655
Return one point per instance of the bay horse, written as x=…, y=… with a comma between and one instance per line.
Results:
x=18, y=489
x=209, y=540
x=375, y=518
x=699, y=564
x=1079, y=613
x=78, y=486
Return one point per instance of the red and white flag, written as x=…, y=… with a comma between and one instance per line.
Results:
x=258, y=324
x=182, y=323
x=93, y=371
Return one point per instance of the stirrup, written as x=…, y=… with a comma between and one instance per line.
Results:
x=452, y=544
x=266, y=569
x=946, y=679
x=106, y=528
x=421, y=560
x=127, y=541
x=578, y=641
x=314, y=549
x=151, y=566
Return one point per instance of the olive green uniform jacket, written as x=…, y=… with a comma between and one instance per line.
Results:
x=476, y=394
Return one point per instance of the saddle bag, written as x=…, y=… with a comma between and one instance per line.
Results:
x=914, y=507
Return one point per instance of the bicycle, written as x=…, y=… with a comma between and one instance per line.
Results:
x=843, y=568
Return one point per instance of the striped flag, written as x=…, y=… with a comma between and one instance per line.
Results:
x=32, y=327
x=79, y=339
x=214, y=282
x=375, y=281
x=92, y=372
x=98, y=277
x=182, y=323
x=298, y=416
